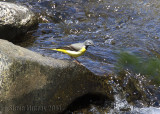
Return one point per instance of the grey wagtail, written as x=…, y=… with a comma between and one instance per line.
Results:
x=75, y=50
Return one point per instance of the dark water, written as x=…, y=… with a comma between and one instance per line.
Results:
x=114, y=25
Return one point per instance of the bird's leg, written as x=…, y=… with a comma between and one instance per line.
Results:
x=76, y=61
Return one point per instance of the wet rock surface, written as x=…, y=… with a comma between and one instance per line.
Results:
x=32, y=83
x=15, y=20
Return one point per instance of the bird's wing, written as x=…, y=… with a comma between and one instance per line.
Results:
x=73, y=47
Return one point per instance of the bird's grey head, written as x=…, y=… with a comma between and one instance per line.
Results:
x=88, y=43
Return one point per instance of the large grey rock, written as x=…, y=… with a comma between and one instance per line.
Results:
x=15, y=20
x=30, y=82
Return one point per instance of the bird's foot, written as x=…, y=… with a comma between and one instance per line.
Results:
x=76, y=61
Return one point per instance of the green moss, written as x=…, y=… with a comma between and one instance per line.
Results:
x=128, y=61
x=149, y=67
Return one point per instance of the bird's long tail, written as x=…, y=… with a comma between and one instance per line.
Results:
x=61, y=50
x=54, y=49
